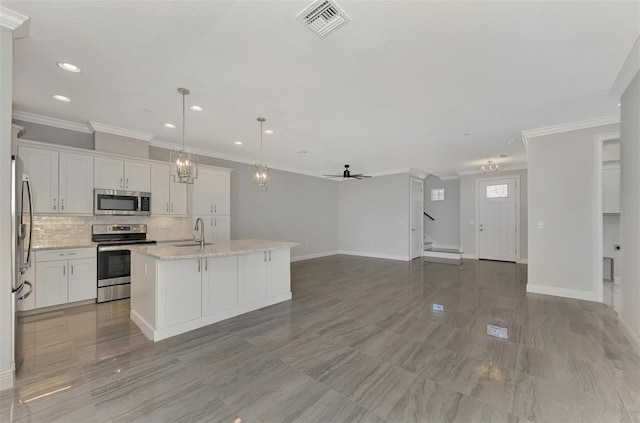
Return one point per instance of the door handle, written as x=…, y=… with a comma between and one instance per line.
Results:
x=24, y=296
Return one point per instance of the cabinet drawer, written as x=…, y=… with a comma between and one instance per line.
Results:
x=63, y=254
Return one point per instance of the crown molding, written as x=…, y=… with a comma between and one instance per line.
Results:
x=418, y=173
x=629, y=70
x=49, y=121
x=449, y=177
x=566, y=127
x=16, y=22
x=17, y=130
x=114, y=130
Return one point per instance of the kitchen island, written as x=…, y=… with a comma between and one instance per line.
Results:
x=179, y=287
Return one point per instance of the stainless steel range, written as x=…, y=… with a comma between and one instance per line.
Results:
x=114, y=259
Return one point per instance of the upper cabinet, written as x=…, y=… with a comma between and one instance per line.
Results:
x=167, y=196
x=128, y=175
x=60, y=182
x=212, y=192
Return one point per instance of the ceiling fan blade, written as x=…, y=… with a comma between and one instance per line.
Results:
x=332, y=176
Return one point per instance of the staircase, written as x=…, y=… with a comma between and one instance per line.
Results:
x=442, y=255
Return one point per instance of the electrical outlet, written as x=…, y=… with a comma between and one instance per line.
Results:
x=498, y=331
x=616, y=247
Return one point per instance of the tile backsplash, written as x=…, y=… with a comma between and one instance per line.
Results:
x=48, y=229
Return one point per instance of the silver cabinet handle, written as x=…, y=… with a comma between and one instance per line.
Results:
x=72, y=269
x=120, y=182
x=212, y=221
x=127, y=183
x=211, y=208
x=198, y=266
x=215, y=222
x=64, y=270
x=265, y=256
x=215, y=208
x=54, y=203
x=62, y=204
x=269, y=255
x=167, y=207
x=171, y=207
x=206, y=265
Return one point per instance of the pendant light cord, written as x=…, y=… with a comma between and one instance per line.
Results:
x=183, y=118
x=261, y=122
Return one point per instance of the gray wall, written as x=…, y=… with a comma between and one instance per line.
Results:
x=611, y=237
x=630, y=202
x=44, y=133
x=374, y=216
x=446, y=227
x=562, y=169
x=297, y=208
x=468, y=212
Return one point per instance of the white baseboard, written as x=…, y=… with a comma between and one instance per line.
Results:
x=523, y=261
x=448, y=246
x=315, y=255
x=469, y=256
x=634, y=339
x=374, y=255
x=561, y=292
x=438, y=254
x=6, y=379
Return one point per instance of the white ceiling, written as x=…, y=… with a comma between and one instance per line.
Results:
x=397, y=87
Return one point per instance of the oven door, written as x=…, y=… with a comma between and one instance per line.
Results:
x=114, y=267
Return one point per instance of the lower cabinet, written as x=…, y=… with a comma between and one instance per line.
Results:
x=219, y=284
x=180, y=292
x=264, y=274
x=64, y=276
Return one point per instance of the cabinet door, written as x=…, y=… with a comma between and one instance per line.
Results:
x=160, y=197
x=178, y=197
x=108, y=173
x=180, y=294
x=252, y=272
x=219, y=284
x=82, y=279
x=203, y=192
x=611, y=190
x=51, y=283
x=221, y=228
x=42, y=168
x=279, y=272
x=137, y=176
x=222, y=193
x=76, y=183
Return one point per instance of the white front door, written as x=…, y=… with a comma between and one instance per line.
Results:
x=497, y=219
x=417, y=208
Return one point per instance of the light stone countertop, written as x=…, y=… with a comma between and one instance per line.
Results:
x=187, y=250
x=63, y=245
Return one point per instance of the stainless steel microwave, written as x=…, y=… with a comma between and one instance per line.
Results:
x=121, y=203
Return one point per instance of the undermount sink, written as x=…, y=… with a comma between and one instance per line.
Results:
x=195, y=244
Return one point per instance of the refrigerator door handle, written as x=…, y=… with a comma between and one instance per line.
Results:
x=13, y=291
x=25, y=181
x=24, y=296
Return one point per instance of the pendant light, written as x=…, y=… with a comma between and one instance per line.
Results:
x=489, y=167
x=184, y=163
x=260, y=170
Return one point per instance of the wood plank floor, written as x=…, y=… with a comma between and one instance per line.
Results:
x=360, y=342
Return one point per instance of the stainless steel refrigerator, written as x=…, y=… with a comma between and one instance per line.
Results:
x=21, y=235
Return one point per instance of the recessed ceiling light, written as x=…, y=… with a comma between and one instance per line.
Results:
x=238, y=142
x=69, y=67
x=303, y=152
x=466, y=134
x=196, y=108
x=619, y=104
x=169, y=125
x=61, y=98
x=268, y=131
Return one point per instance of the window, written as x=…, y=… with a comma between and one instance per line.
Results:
x=437, y=194
x=497, y=191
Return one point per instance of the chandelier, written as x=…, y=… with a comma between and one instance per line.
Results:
x=260, y=170
x=183, y=163
x=489, y=167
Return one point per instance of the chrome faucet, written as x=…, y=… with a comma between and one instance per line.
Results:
x=199, y=226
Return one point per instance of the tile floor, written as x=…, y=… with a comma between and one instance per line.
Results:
x=359, y=343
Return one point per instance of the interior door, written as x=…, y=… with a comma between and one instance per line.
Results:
x=417, y=208
x=497, y=219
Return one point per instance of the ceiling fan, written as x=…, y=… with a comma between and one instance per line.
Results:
x=347, y=174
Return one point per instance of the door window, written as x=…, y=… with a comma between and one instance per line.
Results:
x=497, y=191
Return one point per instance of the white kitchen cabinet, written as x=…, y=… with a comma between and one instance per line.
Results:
x=252, y=277
x=76, y=183
x=42, y=167
x=60, y=182
x=278, y=272
x=128, y=175
x=221, y=228
x=65, y=276
x=167, y=196
x=180, y=292
x=212, y=192
x=219, y=284
x=611, y=189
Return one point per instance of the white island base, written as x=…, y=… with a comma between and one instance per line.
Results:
x=176, y=289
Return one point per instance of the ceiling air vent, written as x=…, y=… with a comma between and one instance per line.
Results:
x=323, y=17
